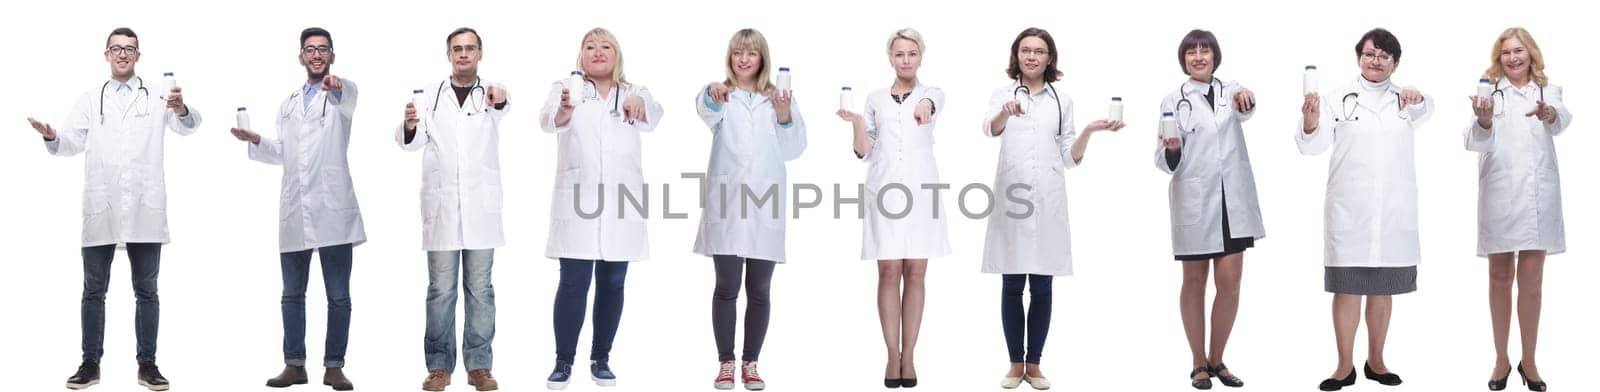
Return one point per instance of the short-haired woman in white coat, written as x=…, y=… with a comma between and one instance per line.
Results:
x=1215, y=215
x=1519, y=191
x=895, y=136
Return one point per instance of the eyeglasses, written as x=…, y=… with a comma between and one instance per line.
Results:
x=123, y=50
x=316, y=49
x=463, y=48
x=1033, y=52
x=1374, y=57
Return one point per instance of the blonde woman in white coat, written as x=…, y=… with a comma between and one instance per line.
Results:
x=1519, y=191
x=755, y=130
x=1215, y=216
x=1028, y=240
x=598, y=130
x=895, y=136
x=1371, y=247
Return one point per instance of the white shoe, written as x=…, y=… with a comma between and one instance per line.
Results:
x=1010, y=382
x=1039, y=383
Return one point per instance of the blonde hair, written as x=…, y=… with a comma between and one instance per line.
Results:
x=749, y=39
x=605, y=35
x=1497, y=71
x=908, y=34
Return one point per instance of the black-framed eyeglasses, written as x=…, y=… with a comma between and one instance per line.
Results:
x=123, y=50
x=316, y=49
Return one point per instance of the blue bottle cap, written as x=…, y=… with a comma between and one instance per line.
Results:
x=164, y=74
x=845, y=88
x=1483, y=80
x=241, y=108
x=1311, y=67
x=783, y=69
x=1116, y=99
x=417, y=91
x=577, y=73
x=1166, y=114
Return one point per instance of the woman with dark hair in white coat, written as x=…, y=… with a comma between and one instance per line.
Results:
x=1215, y=216
x=1028, y=242
x=895, y=136
x=1519, y=191
x=1371, y=247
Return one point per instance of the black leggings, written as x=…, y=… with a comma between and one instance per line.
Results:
x=1035, y=324
x=725, y=304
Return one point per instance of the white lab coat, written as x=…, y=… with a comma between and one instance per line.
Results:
x=901, y=152
x=598, y=148
x=1035, y=149
x=124, y=187
x=1214, y=163
x=748, y=149
x=461, y=191
x=317, y=207
x=1370, y=216
x=1519, y=186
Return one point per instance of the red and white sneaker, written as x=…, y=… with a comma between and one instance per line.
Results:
x=752, y=380
x=725, y=376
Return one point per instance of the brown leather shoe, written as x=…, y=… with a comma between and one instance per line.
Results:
x=292, y=375
x=482, y=379
x=436, y=381
x=334, y=377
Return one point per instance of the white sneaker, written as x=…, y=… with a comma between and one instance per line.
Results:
x=1039, y=383
x=725, y=376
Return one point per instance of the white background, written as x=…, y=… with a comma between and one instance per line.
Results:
x=1116, y=322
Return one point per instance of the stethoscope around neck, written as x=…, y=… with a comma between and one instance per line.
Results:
x=1050, y=88
x=144, y=111
x=477, y=90
x=1500, y=109
x=297, y=98
x=616, y=96
x=1351, y=101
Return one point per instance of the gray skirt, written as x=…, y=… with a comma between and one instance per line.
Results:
x=1369, y=280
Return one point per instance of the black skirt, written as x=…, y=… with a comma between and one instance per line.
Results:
x=1230, y=245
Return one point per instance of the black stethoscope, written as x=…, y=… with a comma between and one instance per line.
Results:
x=1050, y=88
x=1183, y=99
x=144, y=111
x=477, y=88
x=1500, y=109
x=1350, y=110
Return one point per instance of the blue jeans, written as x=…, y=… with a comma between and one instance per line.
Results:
x=145, y=259
x=439, y=341
x=336, y=264
x=1037, y=324
x=572, y=299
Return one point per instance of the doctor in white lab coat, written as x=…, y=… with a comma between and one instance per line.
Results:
x=1028, y=240
x=1215, y=215
x=317, y=207
x=593, y=236
x=1371, y=245
x=895, y=137
x=120, y=126
x=1519, y=189
x=756, y=129
x=458, y=130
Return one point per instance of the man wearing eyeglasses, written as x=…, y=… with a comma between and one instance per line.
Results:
x=457, y=127
x=118, y=125
x=317, y=210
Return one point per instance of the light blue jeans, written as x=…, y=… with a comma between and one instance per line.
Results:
x=439, y=343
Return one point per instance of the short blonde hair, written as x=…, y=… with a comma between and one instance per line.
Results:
x=1497, y=71
x=605, y=35
x=908, y=34
x=749, y=39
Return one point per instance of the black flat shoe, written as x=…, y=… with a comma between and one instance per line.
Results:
x=1229, y=380
x=1201, y=384
x=1334, y=384
x=1532, y=384
x=891, y=383
x=1389, y=379
x=908, y=383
